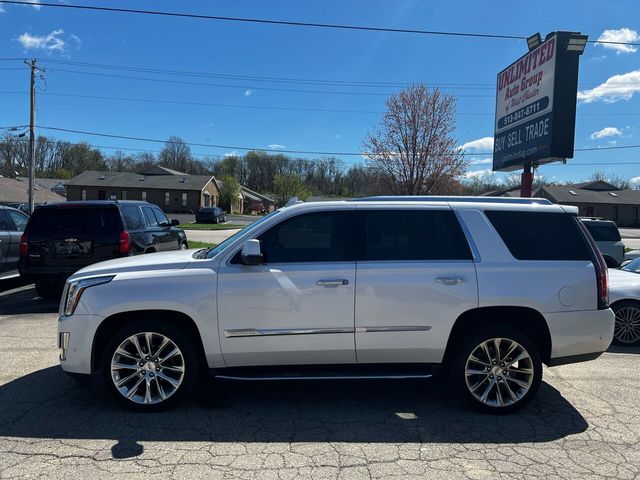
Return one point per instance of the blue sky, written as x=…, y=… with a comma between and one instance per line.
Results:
x=467, y=65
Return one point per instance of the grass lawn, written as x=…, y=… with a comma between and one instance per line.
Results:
x=209, y=226
x=193, y=244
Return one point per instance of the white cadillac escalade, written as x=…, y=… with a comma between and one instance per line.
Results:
x=487, y=288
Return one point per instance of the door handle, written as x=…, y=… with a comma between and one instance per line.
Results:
x=450, y=280
x=338, y=282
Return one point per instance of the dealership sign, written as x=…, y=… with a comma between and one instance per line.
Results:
x=536, y=106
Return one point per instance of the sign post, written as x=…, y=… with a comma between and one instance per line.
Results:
x=536, y=106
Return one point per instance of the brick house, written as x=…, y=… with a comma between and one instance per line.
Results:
x=173, y=191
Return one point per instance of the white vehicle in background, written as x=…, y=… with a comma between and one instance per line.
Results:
x=625, y=303
x=607, y=237
x=384, y=287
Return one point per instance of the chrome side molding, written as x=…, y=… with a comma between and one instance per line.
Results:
x=265, y=332
x=270, y=378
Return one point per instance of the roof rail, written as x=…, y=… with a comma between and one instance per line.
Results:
x=437, y=198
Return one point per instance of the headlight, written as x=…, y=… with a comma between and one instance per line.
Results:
x=75, y=289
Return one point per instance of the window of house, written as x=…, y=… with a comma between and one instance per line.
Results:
x=311, y=237
x=635, y=214
x=124, y=194
x=184, y=199
x=167, y=199
x=615, y=213
x=144, y=196
x=83, y=194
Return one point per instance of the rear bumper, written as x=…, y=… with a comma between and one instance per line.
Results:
x=579, y=336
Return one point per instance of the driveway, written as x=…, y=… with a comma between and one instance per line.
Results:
x=210, y=236
x=585, y=423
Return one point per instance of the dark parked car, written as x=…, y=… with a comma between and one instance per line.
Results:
x=12, y=224
x=62, y=238
x=211, y=215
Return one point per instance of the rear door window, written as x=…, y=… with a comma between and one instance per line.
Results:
x=405, y=235
x=540, y=235
x=19, y=220
x=133, y=217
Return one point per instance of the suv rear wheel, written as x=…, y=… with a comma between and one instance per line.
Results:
x=497, y=370
x=150, y=365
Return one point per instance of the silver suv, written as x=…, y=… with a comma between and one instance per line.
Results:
x=387, y=287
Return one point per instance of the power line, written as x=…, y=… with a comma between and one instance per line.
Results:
x=303, y=152
x=290, y=22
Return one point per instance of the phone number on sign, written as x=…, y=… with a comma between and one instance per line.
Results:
x=524, y=112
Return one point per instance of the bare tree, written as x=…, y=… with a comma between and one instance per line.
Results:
x=413, y=150
x=614, y=179
x=175, y=154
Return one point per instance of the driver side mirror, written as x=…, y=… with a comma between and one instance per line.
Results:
x=174, y=222
x=251, y=253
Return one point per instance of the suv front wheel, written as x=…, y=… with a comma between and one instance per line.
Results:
x=498, y=370
x=150, y=365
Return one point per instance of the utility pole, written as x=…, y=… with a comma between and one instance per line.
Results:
x=32, y=131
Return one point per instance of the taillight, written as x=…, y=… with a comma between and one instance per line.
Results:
x=602, y=272
x=125, y=242
x=24, y=245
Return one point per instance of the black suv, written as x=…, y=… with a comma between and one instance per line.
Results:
x=62, y=238
x=210, y=215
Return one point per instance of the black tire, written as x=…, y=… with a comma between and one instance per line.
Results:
x=467, y=344
x=625, y=336
x=49, y=290
x=611, y=263
x=190, y=362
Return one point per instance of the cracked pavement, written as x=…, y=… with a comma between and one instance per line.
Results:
x=585, y=423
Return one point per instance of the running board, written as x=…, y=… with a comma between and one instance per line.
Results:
x=332, y=372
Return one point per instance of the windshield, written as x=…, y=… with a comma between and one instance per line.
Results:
x=212, y=252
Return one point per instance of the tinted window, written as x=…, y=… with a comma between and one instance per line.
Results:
x=540, y=236
x=92, y=222
x=413, y=235
x=19, y=220
x=312, y=237
x=5, y=223
x=160, y=216
x=605, y=232
x=151, y=218
x=133, y=217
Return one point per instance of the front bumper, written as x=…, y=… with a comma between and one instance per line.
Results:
x=579, y=335
x=76, y=334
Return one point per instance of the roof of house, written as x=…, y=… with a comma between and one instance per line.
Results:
x=255, y=196
x=158, y=170
x=134, y=180
x=12, y=190
x=49, y=183
x=573, y=194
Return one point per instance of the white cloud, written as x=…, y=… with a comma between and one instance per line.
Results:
x=621, y=35
x=614, y=89
x=478, y=173
x=276, y=146
x=337, y=136
x=2, y=10
x=51, y=42
x=231, y=154
x=248, y=92
x=605, y=132
x=481, y=144
x=480, y=161
x=635, y=181
x=208, y=125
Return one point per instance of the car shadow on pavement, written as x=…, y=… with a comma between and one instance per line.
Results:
x=635, y=349
x=48, y=404
x=24, y=300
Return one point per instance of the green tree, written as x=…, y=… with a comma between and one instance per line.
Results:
x=288, y=185
x=229, y=191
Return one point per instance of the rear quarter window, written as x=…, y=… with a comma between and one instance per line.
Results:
x=540, y=235
x=606, y=232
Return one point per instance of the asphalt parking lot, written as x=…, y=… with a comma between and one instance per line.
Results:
x=585, y=423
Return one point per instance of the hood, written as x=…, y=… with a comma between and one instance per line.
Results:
x=622, y=277
x=175, y=260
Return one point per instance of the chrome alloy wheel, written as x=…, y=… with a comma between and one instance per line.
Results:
x=147, y=368
x=627, y=326
x=499, y=372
